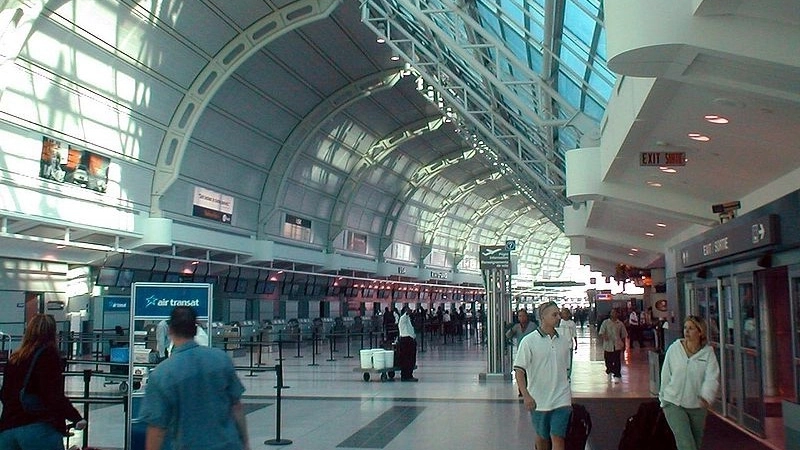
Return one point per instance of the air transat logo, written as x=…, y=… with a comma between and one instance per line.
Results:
x=154, y=301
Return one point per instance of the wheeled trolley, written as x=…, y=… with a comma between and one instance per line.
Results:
x=386, y=374
x=377, y=361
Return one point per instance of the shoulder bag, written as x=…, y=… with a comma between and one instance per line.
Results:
x=31, y=403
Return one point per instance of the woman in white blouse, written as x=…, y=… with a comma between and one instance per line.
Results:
x=689, y=383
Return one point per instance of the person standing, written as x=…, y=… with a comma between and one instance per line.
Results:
x=612, y=334
x=568, y=328
x=569, y=331
x=635, y=333
x=689, y=384
x=543, y=360
x=29, y=430
x=193, y=385
x=406, y=347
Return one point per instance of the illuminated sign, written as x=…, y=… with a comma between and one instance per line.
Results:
x=662, y=159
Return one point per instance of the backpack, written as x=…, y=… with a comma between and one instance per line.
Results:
x=647, y=428
x=580, y=425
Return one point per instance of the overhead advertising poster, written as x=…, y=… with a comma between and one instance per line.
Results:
x=69, y=164
x=156, y=300
x=212, y=205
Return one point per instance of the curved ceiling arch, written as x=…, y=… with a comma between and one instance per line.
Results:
x=482, y=213
x=420, y=177
x=453, y=197
x=517, y=214
x=275, y=185
x=375, y=156
x=214, y=74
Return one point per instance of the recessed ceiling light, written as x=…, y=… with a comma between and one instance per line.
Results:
x=649, y=234
x=634, y=249
x=713, y=118
x=699, y=137
x=662, y=225
x=654, y=184
x=381, y=40
x=395, y=58
x=61, y=246
x=668, y=170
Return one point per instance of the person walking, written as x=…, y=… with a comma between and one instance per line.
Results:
x=521, y=328
x=612, y=334
x=543, y=360
x=569, y=331
x=194, y=384
x=37, y=368
x=689, y=384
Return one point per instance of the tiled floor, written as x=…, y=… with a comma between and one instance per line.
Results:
x=328, y=404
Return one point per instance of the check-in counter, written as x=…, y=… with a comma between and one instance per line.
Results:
x=305, y=327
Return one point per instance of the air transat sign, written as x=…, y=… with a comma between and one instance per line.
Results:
x=158, y=299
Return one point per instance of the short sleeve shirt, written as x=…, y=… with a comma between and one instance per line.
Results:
x=546, y=360
x=191, y=395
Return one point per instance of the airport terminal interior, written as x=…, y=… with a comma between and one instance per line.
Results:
x=305, y=164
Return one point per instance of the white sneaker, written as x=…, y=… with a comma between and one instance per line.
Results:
x=615, y=380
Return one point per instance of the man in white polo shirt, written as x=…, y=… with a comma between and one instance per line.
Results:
x=544, y=357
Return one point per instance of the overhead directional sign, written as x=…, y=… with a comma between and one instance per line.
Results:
x=662, y=159
x=494, y=257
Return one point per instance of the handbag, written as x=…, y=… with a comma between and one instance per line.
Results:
x=31, y=403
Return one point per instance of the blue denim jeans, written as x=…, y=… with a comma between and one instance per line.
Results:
x=36, y=436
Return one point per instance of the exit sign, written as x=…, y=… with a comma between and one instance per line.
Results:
x=662, y=159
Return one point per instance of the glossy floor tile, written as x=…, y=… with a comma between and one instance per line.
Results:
x=327, y=404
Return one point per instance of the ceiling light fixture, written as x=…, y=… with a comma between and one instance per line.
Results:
x=668, y=170
x=654, y=184
x=713, y=118
x=662, y=225
x=395, y=57
x=699, y=137
x=649, y=234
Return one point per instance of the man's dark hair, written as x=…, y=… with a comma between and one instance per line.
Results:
x=183, y=322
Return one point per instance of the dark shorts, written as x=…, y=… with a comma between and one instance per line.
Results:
x=551, y=423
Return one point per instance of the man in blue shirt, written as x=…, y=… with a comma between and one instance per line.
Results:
x=192, y=399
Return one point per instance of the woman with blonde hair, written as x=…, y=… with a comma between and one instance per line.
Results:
x=36, y=366
x=689, y=384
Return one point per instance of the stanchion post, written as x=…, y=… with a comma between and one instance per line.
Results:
x=252, y=346
x=422, y=336
x=278, y=440
x=331, y=343
x=87, y=378
x=299, y=341
x=347, y=336
x=260, y=347
x=313, y=348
